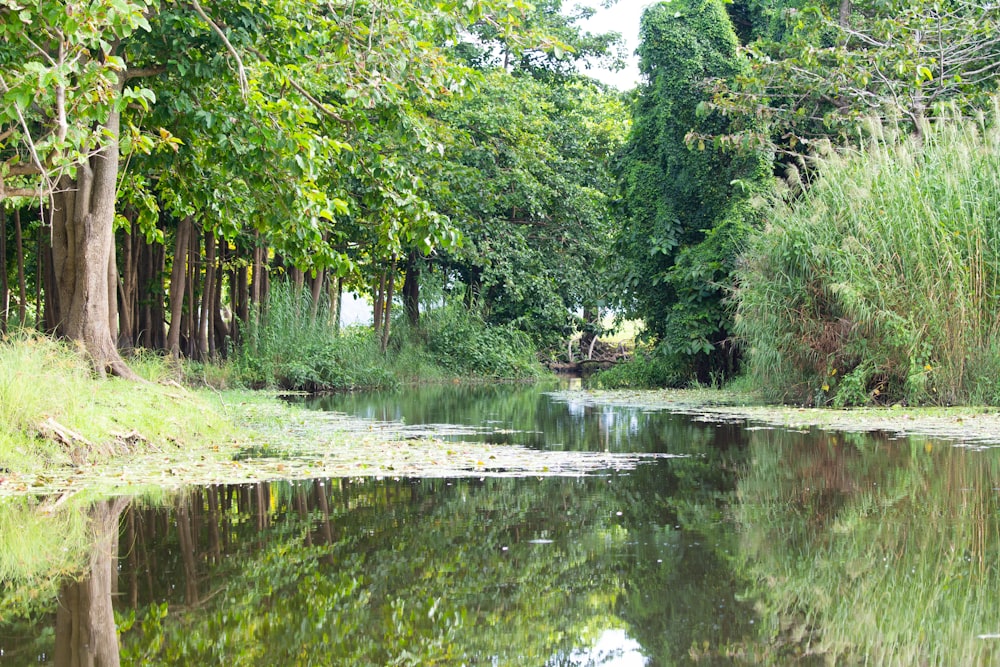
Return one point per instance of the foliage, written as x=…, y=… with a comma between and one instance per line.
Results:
x=647, y=369
x=686, y=212
x=818, y=68
x=465, y=345
x=879, y=284
x=527, y=182
x=294, y=345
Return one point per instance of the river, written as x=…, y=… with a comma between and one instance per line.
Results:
x=748, y=545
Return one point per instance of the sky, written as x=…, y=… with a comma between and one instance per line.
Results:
x=622, y=17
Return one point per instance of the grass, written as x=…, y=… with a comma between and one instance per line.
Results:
x=43, y=382
x=291, y=347
x=882, y=282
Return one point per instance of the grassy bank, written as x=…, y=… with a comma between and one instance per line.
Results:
x=54, y=413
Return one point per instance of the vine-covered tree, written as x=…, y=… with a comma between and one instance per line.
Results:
x=686, y=209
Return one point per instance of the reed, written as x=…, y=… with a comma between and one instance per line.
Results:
x=880, y=283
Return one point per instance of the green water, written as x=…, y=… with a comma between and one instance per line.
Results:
x=756, y=546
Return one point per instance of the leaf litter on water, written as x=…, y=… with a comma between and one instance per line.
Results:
x=287, y=442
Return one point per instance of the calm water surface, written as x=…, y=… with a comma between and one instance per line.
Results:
x=756, y=546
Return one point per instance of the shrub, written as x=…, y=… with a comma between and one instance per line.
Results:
x=645, y=370
x=881, y=283
x=462, y=343
x=294, y=346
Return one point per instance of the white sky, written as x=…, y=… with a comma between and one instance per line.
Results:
x=622, y=17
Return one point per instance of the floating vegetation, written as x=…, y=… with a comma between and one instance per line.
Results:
x=292, y=443
x=975, y=427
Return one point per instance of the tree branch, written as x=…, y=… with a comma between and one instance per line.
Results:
x=240, y=70
x=141, y=72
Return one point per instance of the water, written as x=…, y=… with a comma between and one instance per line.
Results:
x=755, y=546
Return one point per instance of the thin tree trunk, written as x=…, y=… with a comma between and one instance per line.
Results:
x=112, y=287
x=207, y=299
x=258, y=272
x=379, y=304
x=387, y=309
x=194, y=257
x=178, y=275
x=52, y=316
x=220, y=330
x=411, y=290
x=317, y=292
x=127, y=291
x=22, y=288
x=844, y=15
x=4, y=292
x=241, y=293
x=153, y=295
x=336, y=294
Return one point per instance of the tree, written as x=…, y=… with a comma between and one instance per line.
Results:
x=526, y=179
x=820, y=68
x=312, y=83
x=686, y=209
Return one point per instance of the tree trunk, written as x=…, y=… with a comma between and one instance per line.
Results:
x=220, y=330
x=22, y=288
x=83, y=248
x=178, y=274
x=387, y=309
x=336, y=294
x=50, y=318
x=4, y=292
x=207, y=300
x=844, y=15
x=377, y=306
x=191, y=319
x=128, y=289
x=317, y=292
x=591, y=320
x=411, y=290
x=241, y=302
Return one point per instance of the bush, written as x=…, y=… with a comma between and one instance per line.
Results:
x=463, y=344
x=881, y=283
x=294, y=346
x=645, y=370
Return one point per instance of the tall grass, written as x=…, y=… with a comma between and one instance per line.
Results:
x=881, y=282
x=293, y=345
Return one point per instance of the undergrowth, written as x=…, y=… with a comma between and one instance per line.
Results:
x=294, y=346
x=880, y=284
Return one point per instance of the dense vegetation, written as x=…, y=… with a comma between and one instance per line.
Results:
x=206, y=182
x=164, y=164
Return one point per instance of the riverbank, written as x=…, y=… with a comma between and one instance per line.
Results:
x=62, y=431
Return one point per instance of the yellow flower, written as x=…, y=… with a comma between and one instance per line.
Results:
x=826, y=387
x=927, y=367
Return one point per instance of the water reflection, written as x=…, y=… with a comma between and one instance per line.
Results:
x=873, y=550
x=375, y=572
x=760, y=547
x=527, y=415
